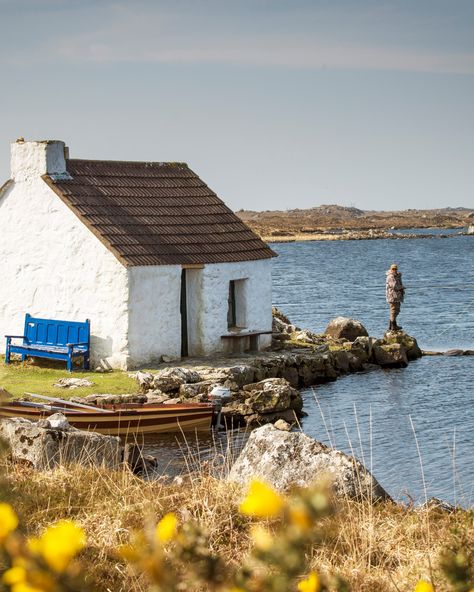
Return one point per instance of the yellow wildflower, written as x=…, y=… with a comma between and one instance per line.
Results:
x=261, y=501
x=166, y=528
x=299, y=516
x=25, y=587
x=424, y=586
x=311, y=584
x=262, y=538
x=14, y=575
x=59, y=544
x=8, y=520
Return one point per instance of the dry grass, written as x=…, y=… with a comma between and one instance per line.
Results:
x=376, y=548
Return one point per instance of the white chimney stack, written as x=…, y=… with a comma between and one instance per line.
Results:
x=33, y=159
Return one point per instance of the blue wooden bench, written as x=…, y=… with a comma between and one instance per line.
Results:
x=53, y=339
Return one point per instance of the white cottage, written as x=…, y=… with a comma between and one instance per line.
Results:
x=145, y=250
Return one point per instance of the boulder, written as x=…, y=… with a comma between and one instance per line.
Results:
x=409, y=343
x=144, y=379
x=305, y=336
x=44, y=447
x=287, y=459
x=156, y=397
x=390, y=356
x=283, y=425
x=344, y=328
x=341, y=361
x=187, y=391
x=168, y=381
x=281, y=323
x=454, y=352
x=270, y=395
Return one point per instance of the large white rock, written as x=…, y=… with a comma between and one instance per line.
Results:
x=344, y=328
x=47, y=447
x=286, y=459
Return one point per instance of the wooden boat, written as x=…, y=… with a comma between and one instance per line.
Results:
x=123, y=419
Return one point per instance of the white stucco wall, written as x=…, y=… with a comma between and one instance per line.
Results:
x=155, y=318
x=52, y=265
x=214, y=302
x=154, y=309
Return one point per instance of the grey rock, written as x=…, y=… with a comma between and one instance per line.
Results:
x=287, y=459
x=355, y=364
x=45, y=448
x=171, y=379
x=341, y=359
x=73, y=383
x=156, y=397
x=108, y=399
x=58, y=420
x=145, y=380
x=409, y=343
x=393, y=355
x=260, y=419
x=454, y=352
x=198, y=388
x=342, y=327
x=283, y=425
x=438, y=504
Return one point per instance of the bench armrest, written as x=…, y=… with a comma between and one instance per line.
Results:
x=15, y=336
x=74, y=344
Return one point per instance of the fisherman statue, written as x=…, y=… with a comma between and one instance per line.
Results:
x=395, y=293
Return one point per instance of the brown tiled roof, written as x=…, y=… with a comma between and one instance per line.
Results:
x=152, y=213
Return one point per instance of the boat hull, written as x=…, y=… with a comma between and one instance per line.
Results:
x=127, y=419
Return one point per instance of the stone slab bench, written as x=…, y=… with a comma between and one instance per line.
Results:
x=240, y=339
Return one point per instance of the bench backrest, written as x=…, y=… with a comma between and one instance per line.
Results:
x=55, y=332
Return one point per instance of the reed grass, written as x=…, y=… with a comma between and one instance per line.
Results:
x=376, y=548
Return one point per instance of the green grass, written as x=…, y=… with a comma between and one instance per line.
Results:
x=18, y=378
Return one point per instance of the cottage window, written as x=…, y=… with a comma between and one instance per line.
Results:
x=237, y=304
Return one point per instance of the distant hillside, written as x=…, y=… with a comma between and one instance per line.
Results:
x=337, y=218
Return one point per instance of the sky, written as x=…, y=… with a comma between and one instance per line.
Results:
x=276, y=104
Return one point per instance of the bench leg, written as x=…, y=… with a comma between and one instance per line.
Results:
x=254, y=343
x=7, y=354
x=86, y=363
x=69, y=363
x=23, y=357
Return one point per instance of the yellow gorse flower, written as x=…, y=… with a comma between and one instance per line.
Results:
x=311, y=584
x=14, y=575
x=8, y=520
x=261, y=501
x=424, y=586
x=166, y=528
x=300, y=517
x=262, y=538
x=59, y=544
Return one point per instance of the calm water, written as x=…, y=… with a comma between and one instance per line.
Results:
x=376, y=415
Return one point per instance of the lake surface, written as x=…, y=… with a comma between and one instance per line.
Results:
x=383, y=417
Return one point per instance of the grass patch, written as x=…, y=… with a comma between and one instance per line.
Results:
x=18, y=378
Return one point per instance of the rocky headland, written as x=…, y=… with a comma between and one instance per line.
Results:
x=333, y=222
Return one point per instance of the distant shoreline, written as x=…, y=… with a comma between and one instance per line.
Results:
x=374, y=234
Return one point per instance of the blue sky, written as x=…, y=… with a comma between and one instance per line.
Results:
x=276, y=104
